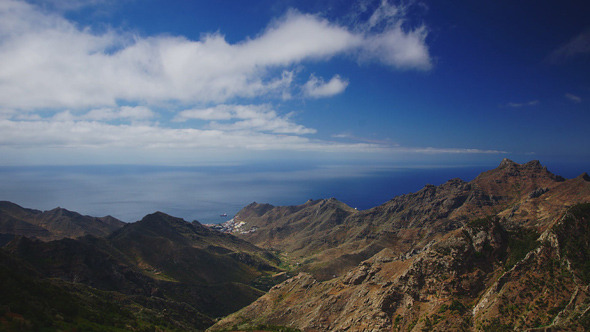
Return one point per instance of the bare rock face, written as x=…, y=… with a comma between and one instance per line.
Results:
x=538, y=192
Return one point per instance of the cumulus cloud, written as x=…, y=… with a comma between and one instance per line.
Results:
x=389, y=40
x=399, y=49
x=65, y=86
x=49, y=62
x=317, y=88
x=573, y=98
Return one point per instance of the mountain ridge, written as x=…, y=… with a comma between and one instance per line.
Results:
x=458, y=256
x=53, y=224
x=158, y=263
x=522, y=193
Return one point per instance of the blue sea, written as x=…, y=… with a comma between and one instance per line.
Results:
x=204, y=193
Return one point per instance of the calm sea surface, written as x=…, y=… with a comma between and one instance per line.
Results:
x=203, y=193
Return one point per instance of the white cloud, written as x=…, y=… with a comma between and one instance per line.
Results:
x=388, y=40
x=62, y=132
x=317, y=88
x=577, y=46
x=71, y=5
x=49, y=62
x=349, y=136
x=261, y=118
x=296, y=37
x=63, y=86
x=134, y=113
x=7, y=113
x=573, y=98
x=385, y=14
x=528, y=103
x=223, y=112
x=398, y=48
x=124, y=113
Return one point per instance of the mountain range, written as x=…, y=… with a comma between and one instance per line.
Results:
x=54, y=224
x=327, y=237
x=508, y=250
x=489, y=254
x=160, y=272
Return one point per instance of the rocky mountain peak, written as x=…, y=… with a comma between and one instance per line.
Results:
x=507, y=163
x=172, y=227
x=533, y=164
x=514, y=168
x=254, y=209
x=509, y=171
x=161, y=218
x=59, y=211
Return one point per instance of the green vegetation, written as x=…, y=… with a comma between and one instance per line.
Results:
x=457, y=306
x=161, y=273
x=29, y=303
x=430, y=322
x=267, y=281
x=481, y=223
x=262, y=327
x=496, y=326
x=520, y=243
x=412, y=324
x=574, y=230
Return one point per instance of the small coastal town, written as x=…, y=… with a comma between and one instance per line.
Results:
x=232, y=226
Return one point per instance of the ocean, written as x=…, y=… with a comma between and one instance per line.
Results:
x=204, y=193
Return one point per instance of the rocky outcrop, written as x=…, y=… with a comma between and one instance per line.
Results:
x=538, y=192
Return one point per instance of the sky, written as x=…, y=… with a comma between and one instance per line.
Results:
x=226, y=82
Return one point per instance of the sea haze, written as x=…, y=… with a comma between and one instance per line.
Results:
x=204, y=193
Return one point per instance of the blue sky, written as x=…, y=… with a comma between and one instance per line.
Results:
x=226, y=82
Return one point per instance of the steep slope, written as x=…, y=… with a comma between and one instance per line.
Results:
x=32, y=302
x=190, y=252
x=289, y=227
x=459, y=256
x=15, y=220
x=54, y=224
x=462, y=282
x=158, y=261
x=327, y=238
x=549, y=286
